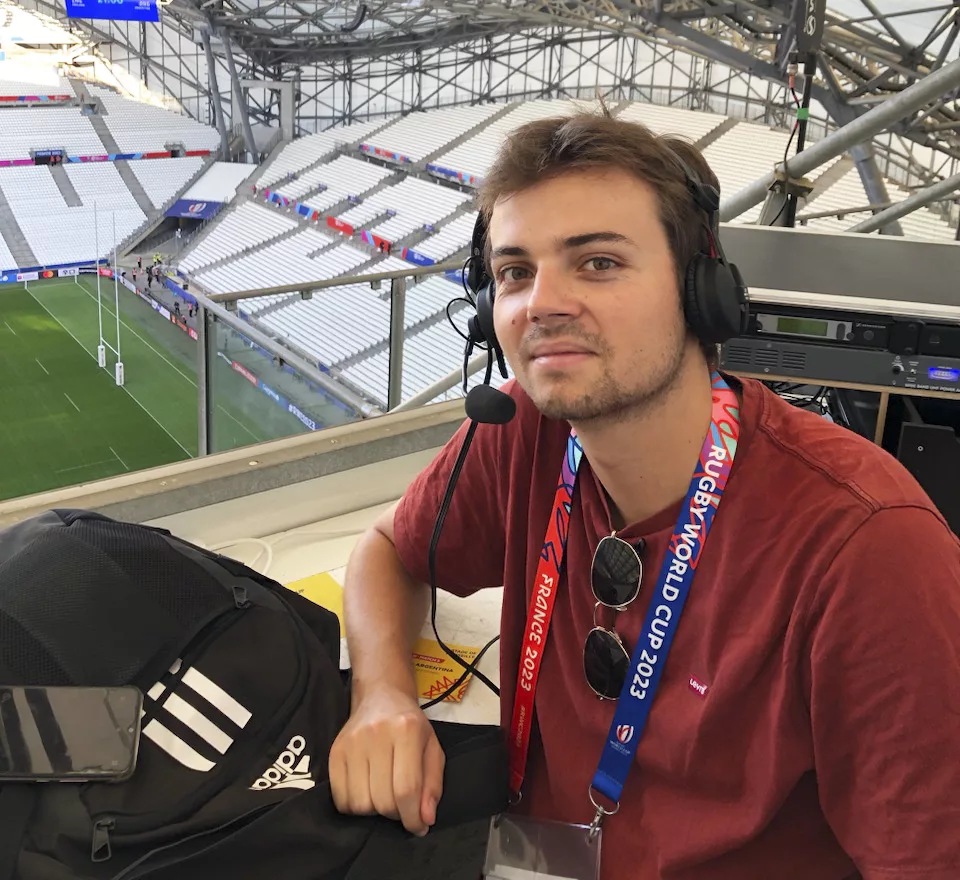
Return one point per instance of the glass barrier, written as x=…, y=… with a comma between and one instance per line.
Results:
x=258, y=396
x=71, y=415
x=65, y=417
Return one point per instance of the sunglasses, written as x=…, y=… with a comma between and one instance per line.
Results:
x=615, y=577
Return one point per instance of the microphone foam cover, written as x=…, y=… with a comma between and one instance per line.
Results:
x=490, y=406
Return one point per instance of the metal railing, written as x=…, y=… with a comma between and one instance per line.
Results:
x=221, y=309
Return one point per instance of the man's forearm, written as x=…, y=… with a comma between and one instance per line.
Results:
x=384, y=609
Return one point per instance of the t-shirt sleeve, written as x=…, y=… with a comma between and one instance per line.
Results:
x=471, y=551
x=884, y=692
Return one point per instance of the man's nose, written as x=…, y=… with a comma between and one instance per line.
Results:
x=551, y=299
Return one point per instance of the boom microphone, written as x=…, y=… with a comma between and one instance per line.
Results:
x=490, y=406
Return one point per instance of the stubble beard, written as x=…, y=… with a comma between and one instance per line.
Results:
x=610, y=399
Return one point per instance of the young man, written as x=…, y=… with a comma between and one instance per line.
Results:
x=807, y=721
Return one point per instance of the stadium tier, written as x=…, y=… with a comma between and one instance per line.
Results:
x=244, y=227
x=417, y=135
x=383, y=193
x=334, y=181
x=47, y=211
x=162, y=179
x=219, y=182
x=23, y=129
x=139, y=127
x=259, y=269
x=301, y=153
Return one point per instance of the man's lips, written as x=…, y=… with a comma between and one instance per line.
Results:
x=558, y=350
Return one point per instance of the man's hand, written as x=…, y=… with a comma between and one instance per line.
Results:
x=387, y=760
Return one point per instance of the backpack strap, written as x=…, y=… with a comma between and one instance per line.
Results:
x=17, y=802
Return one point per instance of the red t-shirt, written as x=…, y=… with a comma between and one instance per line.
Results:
x=807, y=724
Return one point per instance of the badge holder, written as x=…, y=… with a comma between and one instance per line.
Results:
x=524, y=848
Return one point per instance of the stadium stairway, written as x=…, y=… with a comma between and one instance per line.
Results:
x=252, y=180
x=14, y=237
x=80, y=90
x=418, y=235
x=62, y=179
x=829, y=177
x=123, y=168
x=157, y=216
x=716, y=133
x=327, y=247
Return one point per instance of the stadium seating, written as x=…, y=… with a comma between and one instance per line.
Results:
x=429, y=354
x=219, y=183
x=284, y=262
x=688, y=124
x=31, y=189
x=414, y=203
x=99, y=183
x=301, y=153
x=162, y=179
x=247, y=226
x=450, y=238
x=417, y=135
x=6, y=258
x=139, y=127
x=33, y=80
x=326, y=326
x=342, y=177
x=23, y=129
x=475, y=155
x=848, y=192
x=346, y=328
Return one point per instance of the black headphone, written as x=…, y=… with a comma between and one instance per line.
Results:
x=715, y=298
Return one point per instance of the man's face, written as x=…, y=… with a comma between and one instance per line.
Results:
x=587, y=305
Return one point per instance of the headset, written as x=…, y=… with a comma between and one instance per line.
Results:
x=715, y=298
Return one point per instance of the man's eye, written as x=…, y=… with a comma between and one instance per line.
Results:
x=601, y=264
x=511, y=273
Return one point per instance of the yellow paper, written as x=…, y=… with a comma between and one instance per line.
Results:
x=325, y=591
x=435, y=671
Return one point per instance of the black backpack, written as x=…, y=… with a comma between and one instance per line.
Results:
x=243, y=698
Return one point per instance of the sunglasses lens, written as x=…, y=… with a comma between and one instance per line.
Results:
x=605, y=664
x=616, y=572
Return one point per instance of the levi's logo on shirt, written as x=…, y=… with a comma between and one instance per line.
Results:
x=697, y=687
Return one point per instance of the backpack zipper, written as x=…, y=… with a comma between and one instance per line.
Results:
x=105, y=824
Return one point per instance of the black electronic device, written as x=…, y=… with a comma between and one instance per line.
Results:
x=68, y=734
x=843, y=345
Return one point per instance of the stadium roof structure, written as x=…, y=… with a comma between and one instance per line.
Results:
x=404, y=52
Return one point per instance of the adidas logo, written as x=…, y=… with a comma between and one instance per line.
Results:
x=290, y=770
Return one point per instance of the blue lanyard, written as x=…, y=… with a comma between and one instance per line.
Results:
x=667, y=603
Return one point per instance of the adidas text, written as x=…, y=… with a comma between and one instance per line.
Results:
x=290, y=770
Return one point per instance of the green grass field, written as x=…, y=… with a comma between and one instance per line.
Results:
x=63, y=420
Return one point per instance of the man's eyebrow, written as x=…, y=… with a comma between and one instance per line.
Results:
x=591, y=237
x=573, y=241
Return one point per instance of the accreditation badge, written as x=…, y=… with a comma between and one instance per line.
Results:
x=525, y=848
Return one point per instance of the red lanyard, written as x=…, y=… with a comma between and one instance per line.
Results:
x=541, y=610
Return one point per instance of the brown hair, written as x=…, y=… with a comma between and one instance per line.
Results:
x=547, y=148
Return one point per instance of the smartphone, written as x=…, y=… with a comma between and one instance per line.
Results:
x=69, y=734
